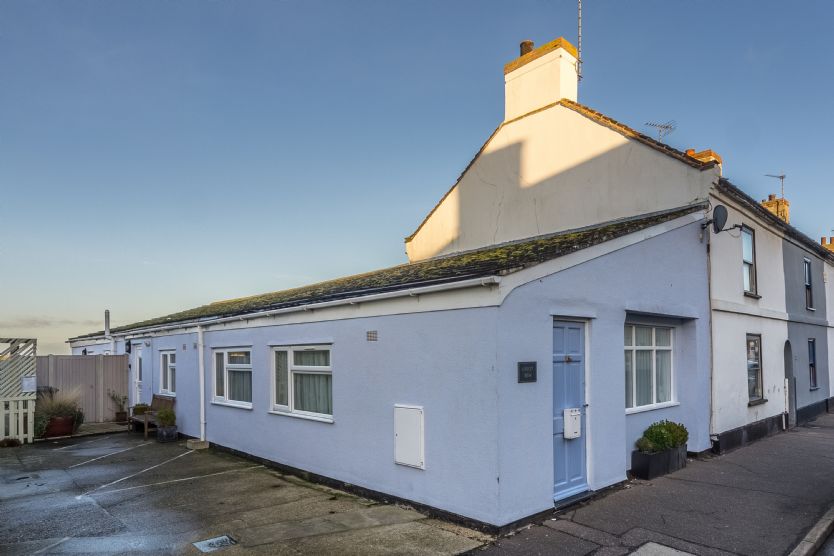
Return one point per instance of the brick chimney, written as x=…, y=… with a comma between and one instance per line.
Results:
x=828, y=243
x=780, y=207
x=539, y=76
x=707, y=155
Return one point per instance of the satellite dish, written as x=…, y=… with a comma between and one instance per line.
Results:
x=719, y=218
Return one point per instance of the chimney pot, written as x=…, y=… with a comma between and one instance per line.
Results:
x=771, y=197
x=526, y=46
x=107, y=322
x=823, y=240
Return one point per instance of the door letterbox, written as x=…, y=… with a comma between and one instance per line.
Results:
x=573, y=422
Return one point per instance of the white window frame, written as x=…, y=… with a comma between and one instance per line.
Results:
x=224, y=399
x=292, y=369
x=162, y=371
x=654, y=348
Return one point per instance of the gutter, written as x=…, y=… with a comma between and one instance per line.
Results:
x=410, y=292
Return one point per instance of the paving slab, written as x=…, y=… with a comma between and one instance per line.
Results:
x=119, y=494
x=759, y=500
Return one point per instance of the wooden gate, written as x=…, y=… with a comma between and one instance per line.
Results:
x=17, y=394
x=93, y=376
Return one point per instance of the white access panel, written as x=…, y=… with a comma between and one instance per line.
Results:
x=408, y=436
x=573, y=422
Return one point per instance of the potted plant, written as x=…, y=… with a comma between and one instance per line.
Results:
x=56, y=414
x=166, y=426
x=661, y=450
x=120, y=401
x=140, y=408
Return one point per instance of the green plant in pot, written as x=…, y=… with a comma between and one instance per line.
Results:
x=56, y=414
x=140, y=408
x=120, y=401
x=166, y=430
x=661, y=450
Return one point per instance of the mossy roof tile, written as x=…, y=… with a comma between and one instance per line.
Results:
x=489, y=261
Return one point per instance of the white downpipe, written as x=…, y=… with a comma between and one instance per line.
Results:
x=201, y=366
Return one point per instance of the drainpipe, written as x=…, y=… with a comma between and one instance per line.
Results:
x=712, y=435
x=202, y=372
x=107, y=332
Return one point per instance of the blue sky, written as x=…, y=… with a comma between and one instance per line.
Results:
x=158, y=155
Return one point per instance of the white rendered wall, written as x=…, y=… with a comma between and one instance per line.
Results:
x=551, y=171
x=735, y=315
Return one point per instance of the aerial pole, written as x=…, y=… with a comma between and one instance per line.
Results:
x=579, y=43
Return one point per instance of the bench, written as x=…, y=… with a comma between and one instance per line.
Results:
x=149, y=417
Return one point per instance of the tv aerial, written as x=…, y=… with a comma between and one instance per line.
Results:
x=663, y=129
x=781, y=178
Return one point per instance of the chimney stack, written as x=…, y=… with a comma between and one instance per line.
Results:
x=107, y=322
x=539, y=77
x=828, y=243
x=780, y=207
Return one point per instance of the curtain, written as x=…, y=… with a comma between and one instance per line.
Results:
x=173, y=379
x=644, y=376
x=312, y=358
x=218, y=375
x=629, y=379
x=312, y=392
x=663, y=375
x=644, y=335
x=164, y=371
x=240, y=386
x=281, y=382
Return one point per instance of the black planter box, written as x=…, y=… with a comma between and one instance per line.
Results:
x=167, y=434
x=649, y=466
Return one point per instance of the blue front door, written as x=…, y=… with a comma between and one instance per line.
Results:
x=569, y=469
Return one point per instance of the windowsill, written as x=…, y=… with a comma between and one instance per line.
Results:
x=810, y=309
x=238, y=405
x=168, y=394
x=302, y=416
x=814, y=388
x=644, y=408
x=760, y=401
x=752, y=295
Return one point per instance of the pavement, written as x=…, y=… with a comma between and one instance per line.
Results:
x=116, y=494
x=758, y=500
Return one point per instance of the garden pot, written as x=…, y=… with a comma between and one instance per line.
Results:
x=59, y=426
x=167, y=434
x=121, y=416
x=650, y=466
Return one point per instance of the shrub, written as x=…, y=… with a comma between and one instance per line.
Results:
x=118, y=399
x=140, y=408
x=9, y=443
x=79, y=419
x=662, y=436
x=58, y=405
x=166, y=418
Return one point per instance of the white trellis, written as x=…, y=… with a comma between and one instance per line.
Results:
x=17, y=404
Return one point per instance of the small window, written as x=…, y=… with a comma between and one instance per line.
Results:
x=303, y=381
x=648, y=366
x=233, y=377
x=748, y=250
x=754, y=367
x=809, y=285
x=812, y=362
x=168, y=368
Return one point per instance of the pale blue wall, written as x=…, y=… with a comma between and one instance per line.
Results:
x=665, y=275
x=460, y=365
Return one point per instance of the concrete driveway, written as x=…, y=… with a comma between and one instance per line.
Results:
x=118, y=494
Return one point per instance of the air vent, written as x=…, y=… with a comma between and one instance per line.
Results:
x=372, y=335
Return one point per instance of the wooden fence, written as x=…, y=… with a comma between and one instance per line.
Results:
x=93, y=376
x=17, y=418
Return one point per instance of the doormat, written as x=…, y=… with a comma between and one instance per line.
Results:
x=210, y=545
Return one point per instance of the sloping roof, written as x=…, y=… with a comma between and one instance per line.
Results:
x=593, y=115
x=490, y=261
x=731, y=190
